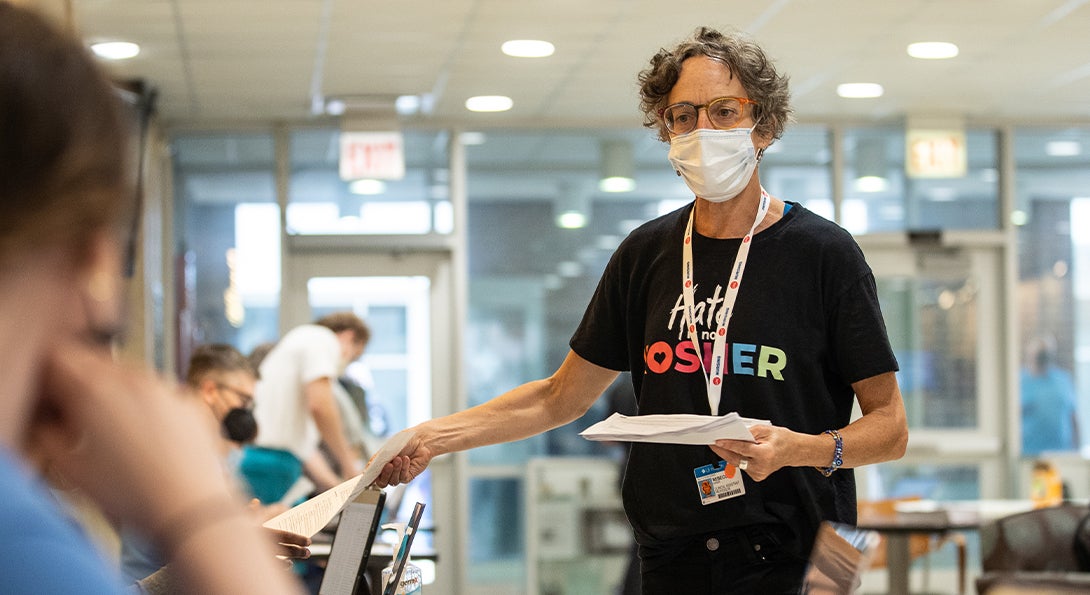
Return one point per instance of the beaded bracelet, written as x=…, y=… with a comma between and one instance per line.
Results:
x=837, y=454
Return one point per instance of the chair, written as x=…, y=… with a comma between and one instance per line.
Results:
x=920, y=545
x=1035, y=549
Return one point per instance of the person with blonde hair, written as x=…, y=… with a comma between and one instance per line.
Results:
x=118, y=434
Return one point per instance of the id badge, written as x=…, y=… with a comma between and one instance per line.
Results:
x=718, y=482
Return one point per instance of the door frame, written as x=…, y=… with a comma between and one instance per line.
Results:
x=306, y=257
x=982, y=257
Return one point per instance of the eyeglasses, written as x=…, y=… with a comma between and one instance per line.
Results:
x=246, y=398
x=724, y=113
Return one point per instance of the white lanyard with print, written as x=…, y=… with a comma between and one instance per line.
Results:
x=713, y=377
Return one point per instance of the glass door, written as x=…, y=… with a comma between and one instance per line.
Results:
x=944, y=316
x=404, y=373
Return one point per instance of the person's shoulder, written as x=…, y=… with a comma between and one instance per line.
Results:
x=803, y=219
x=45, y=536
x=308, y=331
x=811, y=231
x=17, y=485
x=26, y=499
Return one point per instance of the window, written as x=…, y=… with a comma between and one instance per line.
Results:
x=1052, y=212
x=880, y=197
x=320, y=202
x=229, y=265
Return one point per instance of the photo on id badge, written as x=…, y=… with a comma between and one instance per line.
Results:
x=718, y=482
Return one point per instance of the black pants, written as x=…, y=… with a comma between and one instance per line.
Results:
x=736, y=562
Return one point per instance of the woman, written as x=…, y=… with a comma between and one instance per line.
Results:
x=120, y=436
x=807, y=338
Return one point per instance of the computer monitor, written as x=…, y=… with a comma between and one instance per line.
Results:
x=346, y=569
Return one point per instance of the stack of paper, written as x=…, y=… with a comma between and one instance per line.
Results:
x=679, y=428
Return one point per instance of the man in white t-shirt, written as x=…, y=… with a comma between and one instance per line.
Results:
x=297, y=410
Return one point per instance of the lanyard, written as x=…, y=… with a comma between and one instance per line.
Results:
x=714, y=377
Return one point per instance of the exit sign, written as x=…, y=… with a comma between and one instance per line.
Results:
x=935, y=153
x=373, y=155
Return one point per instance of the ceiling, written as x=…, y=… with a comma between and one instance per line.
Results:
x=217, y=62
x=242, y=64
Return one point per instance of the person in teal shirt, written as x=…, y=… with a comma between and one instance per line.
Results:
x=1049, y=409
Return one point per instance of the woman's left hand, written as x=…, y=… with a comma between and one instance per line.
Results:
x=762, y=458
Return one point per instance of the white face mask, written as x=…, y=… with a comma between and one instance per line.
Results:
x=715, y=164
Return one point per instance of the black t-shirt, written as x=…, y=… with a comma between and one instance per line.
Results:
x=807, y=324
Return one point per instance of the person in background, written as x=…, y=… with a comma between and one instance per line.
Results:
x=1050, y=417
x=258, y=353
x=223, y=380
x=740, y=302
x=115, y=432
x=352, y=405
x=296, y=408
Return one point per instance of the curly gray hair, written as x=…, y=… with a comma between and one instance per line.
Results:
x=745, y=59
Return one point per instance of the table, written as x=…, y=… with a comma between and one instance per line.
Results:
x=928, y=516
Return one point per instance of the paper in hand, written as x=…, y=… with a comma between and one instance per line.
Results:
x=311, y=516
x=681, y=428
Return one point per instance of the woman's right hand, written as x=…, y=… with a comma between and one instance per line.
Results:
x=126, y=438
x=407, y=465
x=147, y=457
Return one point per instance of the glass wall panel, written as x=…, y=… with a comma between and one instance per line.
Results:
x=797, y=168
x=880, y=197
x=229, y=240
x=496, y=540
x=320, y=202
x=932, y=319
x=1052, y=213
x=932, y=482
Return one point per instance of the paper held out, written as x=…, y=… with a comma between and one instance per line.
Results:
x=681, y=428
x=312, y=515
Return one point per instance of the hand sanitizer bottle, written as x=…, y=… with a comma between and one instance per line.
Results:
x=411, y=579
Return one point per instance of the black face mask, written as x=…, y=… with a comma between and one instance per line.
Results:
x=239, y=425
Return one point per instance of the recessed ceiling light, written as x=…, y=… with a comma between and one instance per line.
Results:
x=489, y=103
x=528, y=48
x=1063, y=148
x=871, y=184
x=367, y=187
x=335, y=107
x=571, y=220
x=859, y=90
x=115, y=50
x=617, y=184
x=932, y=50
x=407, y=105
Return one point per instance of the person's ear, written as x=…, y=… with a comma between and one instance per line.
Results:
x=761, y=140
x=208, y=391
x=101, y=286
